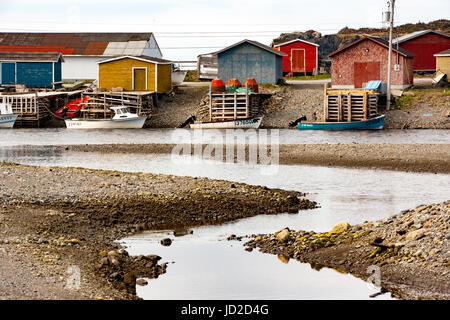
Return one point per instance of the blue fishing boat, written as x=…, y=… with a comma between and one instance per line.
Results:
x=369, y=124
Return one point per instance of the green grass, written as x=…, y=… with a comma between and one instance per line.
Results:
x=191, y=76
x=412, y=97
x=318, y=77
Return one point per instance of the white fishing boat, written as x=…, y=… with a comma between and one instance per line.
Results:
x=178, y=76
x=122, y=119
x=7, y=117
x=248, y=123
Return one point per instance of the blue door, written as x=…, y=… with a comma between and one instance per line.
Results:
x=8, y=73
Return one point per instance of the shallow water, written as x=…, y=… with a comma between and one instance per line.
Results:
x=208, y=267
x=62, y=136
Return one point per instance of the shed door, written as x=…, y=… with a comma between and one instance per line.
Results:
x=139, y=79
x=8, y=73
x=298, y=60
x=365, y=71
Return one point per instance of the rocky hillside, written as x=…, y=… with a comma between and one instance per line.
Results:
x=333, y=42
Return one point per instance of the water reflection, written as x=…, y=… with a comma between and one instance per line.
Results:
x=62, y=136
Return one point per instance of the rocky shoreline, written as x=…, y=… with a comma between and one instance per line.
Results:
x=433, y=158
x=53, y=219
x=408, y=251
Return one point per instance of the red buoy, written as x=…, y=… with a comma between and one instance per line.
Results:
x=234, y=83
x=252, y=84
x=217, y=86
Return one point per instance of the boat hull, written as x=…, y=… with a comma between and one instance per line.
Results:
x=8, y=120
x=370, y=124
x=250, y=123
x=178, y=76
x=134, y=123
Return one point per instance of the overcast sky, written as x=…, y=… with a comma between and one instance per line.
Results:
x=207, y=25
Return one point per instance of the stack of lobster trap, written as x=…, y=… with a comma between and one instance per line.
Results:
x=350, y=105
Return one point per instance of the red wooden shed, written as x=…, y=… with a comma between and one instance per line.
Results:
x=424, y=44
x=302, y=56
x=366, y=59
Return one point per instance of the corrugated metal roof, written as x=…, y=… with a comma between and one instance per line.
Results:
x=81, y=43
x=255, y=43
x=416, y=34
x=30, y=56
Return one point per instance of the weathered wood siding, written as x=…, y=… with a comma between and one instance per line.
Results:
x=164, y=78
x=310, y=57
x=119, y=73
x=31, y=74
x=443, y=65
x=249, y=61
x=207, y=66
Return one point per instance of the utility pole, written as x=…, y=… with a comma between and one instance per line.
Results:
x=391, y=25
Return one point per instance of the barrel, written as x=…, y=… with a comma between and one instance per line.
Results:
x=234, y=83
x=217, y=86
x=252, y=84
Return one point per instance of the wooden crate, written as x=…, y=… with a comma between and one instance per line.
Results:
x=346, y=105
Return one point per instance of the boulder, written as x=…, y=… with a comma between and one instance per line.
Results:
x=283, y=235
x=341, y=227
x=415, y=235
x=166, y=242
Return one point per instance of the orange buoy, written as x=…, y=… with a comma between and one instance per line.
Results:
x=234, y=83
x=217, y=86
x=252, y=84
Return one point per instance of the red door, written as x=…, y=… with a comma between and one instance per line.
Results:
x=365, y=71
x=297, y=60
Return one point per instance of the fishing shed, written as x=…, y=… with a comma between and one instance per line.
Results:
x=366, y=59
x=424, y=44
x=302, y=56
x=33, y=69
x=250, y=59
x=82, y=51
x=443, y=62
x=136, y=73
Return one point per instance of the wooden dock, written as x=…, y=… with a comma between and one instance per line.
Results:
x=99, y=103
x=34, y=108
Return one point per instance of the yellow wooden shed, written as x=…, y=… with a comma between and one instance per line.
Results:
x=136, y=73
x=443, y=62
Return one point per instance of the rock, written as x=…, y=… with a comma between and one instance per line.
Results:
x=283, y=235
x=283, y=258
x=114, y=261
x=341, y=227
x=103, y=253
x=153, y=257
x=74, y=241
x=166, y=242
x=104, y=261
x=129, y=278
x=141, y=282
x=415, y=235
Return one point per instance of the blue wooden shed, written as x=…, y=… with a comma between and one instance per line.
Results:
x=250, y=59
x=33, y=69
